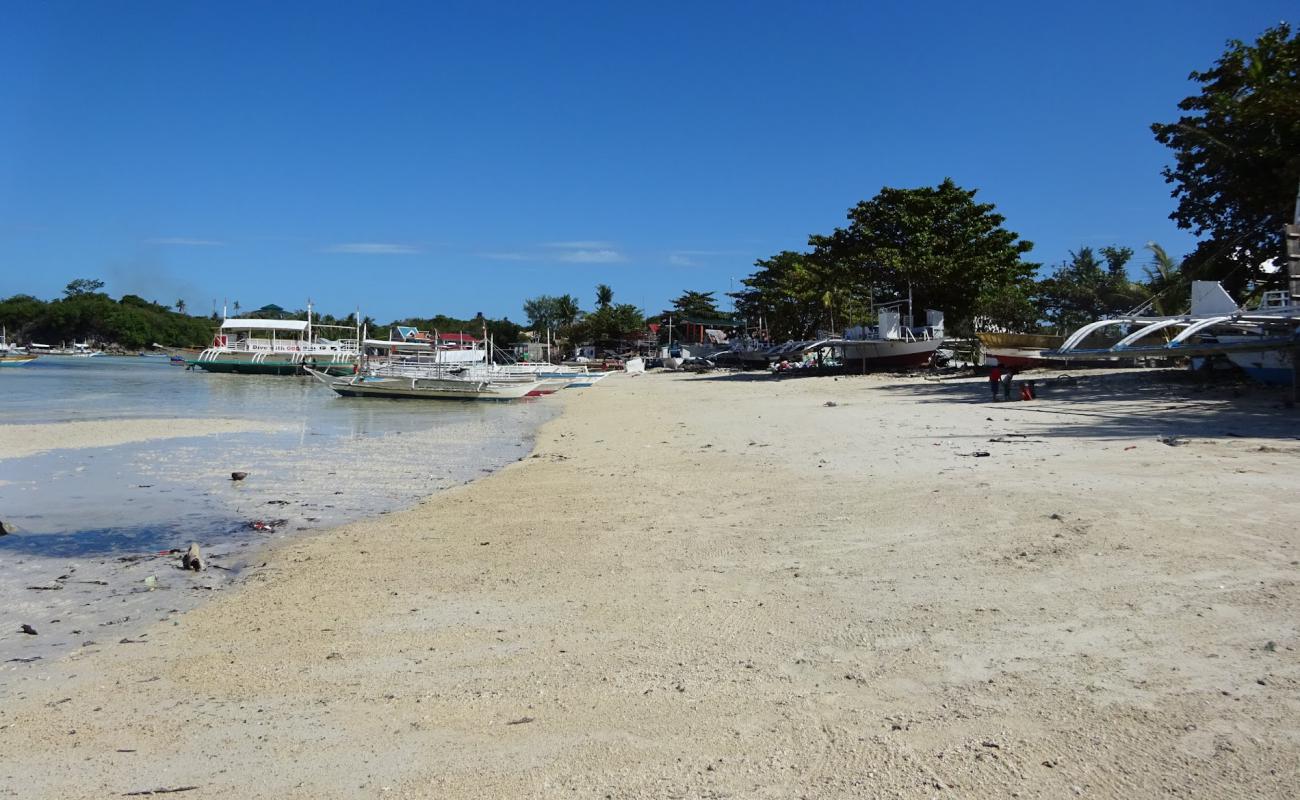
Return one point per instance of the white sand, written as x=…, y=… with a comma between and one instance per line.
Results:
x=705, y=588
x=17, y=441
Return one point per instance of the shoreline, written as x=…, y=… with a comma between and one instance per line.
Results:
x=70, y=592
x=696, y=585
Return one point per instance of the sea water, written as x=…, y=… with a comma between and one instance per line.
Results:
x=95, y=525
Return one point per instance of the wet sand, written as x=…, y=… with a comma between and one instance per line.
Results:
x=703, y=587
x=17, y=441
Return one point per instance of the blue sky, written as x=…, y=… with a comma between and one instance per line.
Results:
x=419, y=158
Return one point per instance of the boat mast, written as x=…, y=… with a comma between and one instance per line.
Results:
x=309, y=319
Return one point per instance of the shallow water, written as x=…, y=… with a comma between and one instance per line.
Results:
x=93, y=522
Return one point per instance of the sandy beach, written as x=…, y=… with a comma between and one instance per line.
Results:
x=25, y=440
x=731, y=586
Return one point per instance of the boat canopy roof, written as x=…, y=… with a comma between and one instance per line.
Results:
x=296, y=325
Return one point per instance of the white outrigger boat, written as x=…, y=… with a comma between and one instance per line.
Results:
x=428, y=387
x=11, y=356
x=1262, y=341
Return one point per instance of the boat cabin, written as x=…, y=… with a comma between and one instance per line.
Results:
x=269, y=335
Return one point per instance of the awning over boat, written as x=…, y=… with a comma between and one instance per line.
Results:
x=294, y=325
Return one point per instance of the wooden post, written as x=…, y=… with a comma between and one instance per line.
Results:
x=1293, y=284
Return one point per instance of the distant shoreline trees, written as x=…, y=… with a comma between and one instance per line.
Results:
x=84, y=313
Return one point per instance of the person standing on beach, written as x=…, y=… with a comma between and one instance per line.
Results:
x=1006, y=383
x=995, y=375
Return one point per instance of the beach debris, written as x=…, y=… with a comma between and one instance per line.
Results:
x=1056, y=516
x=830, y=404
x=1130, y=447
x=25, y=660
x=54, y=588
x=151, y=582
x=160, y=790
x=238, y=476
x=193, y=559
x=1172, y=441
x=28, y=629
x=4, y=529
x=1271, y=647
x=521, y=721
x=266, y=526
x=976, y=454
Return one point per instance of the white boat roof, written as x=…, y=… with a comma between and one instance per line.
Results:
x=297, y=325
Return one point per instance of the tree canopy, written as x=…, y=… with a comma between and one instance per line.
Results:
x=936, y=244
x=612, y=322
x=783, y=295
x=1237, y=156
x=1084, y=290
x=549, y=311
x=86, y=314
x=697, y=305
x=80, y=286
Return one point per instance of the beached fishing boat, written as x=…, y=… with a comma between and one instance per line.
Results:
x=1017, y=349
x=1262, y=341
x=278, y=347
x=429, y=387
x=889, y=343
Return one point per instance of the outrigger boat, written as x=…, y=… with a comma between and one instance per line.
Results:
x=1262, y=341
x=428, y=387
x=11, y=356
x=278, y=347
x=1017, y=349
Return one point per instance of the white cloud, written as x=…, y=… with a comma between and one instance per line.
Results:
x=605, y=256
x=585, y=244
x=373, y=249
x=184, y=242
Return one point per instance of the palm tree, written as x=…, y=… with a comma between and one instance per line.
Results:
x=180, y=306
x=567, y=310
x=236, y=308
x=1166, y=279
x=604, y=295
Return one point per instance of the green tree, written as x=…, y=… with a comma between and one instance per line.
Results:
x=937, y=246
x=784, y=295
x=1169, y=286
x=1237, y=156
x=612, y=322
x=696, y=305
x=1084, y=289
x=548, y=311
x=604, y=296
x=180, y=306
x=82, y=286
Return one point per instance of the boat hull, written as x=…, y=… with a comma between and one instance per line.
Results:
x=1018, y=349
x=432, y=389
x=879, y=353
x=16, y=361
x=1273, y=367
x=273, y=364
